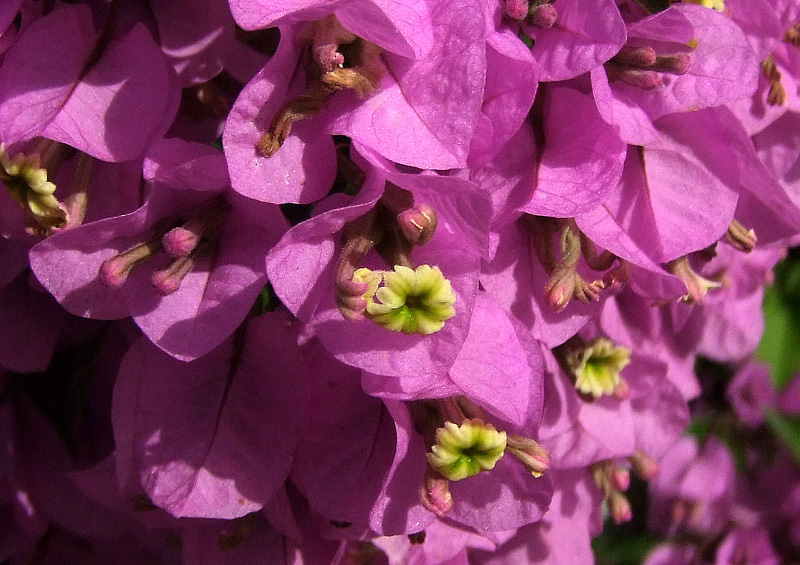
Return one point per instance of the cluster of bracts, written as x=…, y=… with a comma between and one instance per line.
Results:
x=384, y=281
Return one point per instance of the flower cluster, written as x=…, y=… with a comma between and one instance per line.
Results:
x=361, y=281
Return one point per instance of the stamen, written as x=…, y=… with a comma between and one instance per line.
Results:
x=740, y=238
x=673, y=64
x=27, y=184
x=644, y=79
x=329, y=34
x=330, y=75
x=418, y=224
x=620, y=477
x=183, y=240
x=643, y=465
x=642, y=56
x=435, y=493
x=543, y=15
x=78, y=200
x=619, y=507
x=304, y=106
x=604, y=477
x=565, y=281
x=641, y=66
x=776, y=96
x=114, y=272
x=696, y=286
x=618, y=276
x=535, y=457
x=517, y=9
x=793, y=35
x=167, y=281
x=360, y=236
x=417, y=538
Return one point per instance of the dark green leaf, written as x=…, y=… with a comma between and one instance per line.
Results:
x=787, y=430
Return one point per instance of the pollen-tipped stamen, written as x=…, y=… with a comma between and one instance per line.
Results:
x=168, y=280
x=619, y=507
x=114, y=271
x=543, y=15
x=643, y=465
x=697, y=286
x=27, y=184
x=776, y=95
x=741, y=238
x=535, y=457
x=435, y=493
x=516, y=9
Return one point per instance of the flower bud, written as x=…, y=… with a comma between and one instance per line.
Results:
x=543, y=15
x=418, y=224
x=535, y=457
x=114, y=271
x=435, y=494
x=517, y=9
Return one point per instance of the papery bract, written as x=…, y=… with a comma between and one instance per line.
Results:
x=199, y=435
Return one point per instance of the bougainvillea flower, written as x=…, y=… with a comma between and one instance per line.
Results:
x=666, y=214
x=431, y=105
x=303, y=266
x=516, y=279
x=713, y=64
x=718, y=321
x=694, y=489
x=305, y=166
x=721, y=146
x=582, y=158
x=199, y=435
x=400, y=28
x=511, y=82
x=508, y=384
x=582, y=37
x=768, y=27
x=62, y=82
x=277, y=122
x=563, y=536
x=186, y=300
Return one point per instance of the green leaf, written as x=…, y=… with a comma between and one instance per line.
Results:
x=623, y=550
x=654, y=6
x=782, y=324
x=266, y=301
x=787, y=430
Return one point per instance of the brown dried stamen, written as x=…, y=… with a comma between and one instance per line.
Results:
x=339, y=61
x=777, y=94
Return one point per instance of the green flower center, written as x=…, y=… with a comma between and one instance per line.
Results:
x=412, y=301
x=597, y=367
x=27, y=184
x=466, y=450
